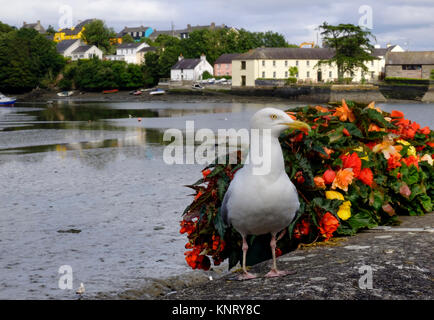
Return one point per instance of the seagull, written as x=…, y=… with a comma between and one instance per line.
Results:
x=81, y=289
x=257, y=204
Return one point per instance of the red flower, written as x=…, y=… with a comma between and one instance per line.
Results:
x=205, y=173
x=345, y=132
x=328, y=176
x=352, y=161
x=366, y=176
x=404, y=190
x=399, y=115
x=411, y=160
x=301, y=229
x=393, y=162
x=328, y=225
x=299, y=177
x=278, y=252
x=425, y=130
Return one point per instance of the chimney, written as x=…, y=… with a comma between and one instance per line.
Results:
x=188, y=26
x=24, y=23
x=180, y=57
x=212, y=25
x=203, y=57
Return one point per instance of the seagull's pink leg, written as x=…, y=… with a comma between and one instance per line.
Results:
x=246, y=275
x=274, y=272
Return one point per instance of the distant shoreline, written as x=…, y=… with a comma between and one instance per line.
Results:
x=280, y=94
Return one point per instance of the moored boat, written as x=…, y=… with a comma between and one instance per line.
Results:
x=4, y=101
x=110, y=91
x=65, y=93
x=157, y=91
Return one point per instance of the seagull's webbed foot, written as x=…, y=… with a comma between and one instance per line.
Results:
x=247, y=276
x=278, y=273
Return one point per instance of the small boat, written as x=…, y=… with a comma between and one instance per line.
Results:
x=137, y=93
x=157, y=92
x=4, y=101
x=65, y=93
x=110, y=91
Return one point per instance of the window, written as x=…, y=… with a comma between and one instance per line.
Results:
x=274, y=63
x=372, y=75
x=307, y=62
x=308, y=74
x=411, y=67
x=243, y=65
x=330, y=74
x=296, y=75
x=372, y=63
x=286, y=63
x=286, y=74
x=296, y=62
x=263, y=74
x=274, y=74
x=263, y=63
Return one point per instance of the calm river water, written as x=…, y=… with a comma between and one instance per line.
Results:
x=94, y=168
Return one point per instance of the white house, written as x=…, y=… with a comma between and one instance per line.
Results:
x=77, y=49
x=66, y=47
x=128, y=52
x=86, y=52
x=190, y=69
x=274, y=63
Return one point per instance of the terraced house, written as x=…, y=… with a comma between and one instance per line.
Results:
x=274, y=64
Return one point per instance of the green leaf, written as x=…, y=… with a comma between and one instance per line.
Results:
x=219, y=224
x=426, y=203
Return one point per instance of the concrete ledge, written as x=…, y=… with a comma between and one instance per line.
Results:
x=400, y=259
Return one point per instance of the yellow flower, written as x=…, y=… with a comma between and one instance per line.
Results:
x=426, y=157
x=334, y=195
x=344, y=211
x=360, y=149
x=403, y=142
x=411, y=151
x=387, y=148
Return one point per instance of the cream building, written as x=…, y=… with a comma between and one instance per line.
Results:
x=274, y=63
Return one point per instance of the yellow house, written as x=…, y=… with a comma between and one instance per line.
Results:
x=71, y=33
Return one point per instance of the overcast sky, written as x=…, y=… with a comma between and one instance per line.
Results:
x=409, y=23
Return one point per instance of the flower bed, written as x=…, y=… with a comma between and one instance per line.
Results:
x=358, y=168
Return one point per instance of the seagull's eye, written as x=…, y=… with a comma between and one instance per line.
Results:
x=273, y=117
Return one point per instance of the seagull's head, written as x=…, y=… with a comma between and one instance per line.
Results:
x=276, y=120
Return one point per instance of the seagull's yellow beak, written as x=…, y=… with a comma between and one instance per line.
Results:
x=297, y=125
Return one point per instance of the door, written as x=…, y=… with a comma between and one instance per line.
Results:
x=243, y=81
x=319, y=76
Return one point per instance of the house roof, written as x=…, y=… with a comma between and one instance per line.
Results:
x=77, y=28
x=134, y=29
x=62, y=46
x=287, y=53
x=82, y=49
x=186, y=64
x=226, y=58
x=147, y=49
x=410, y=57
x=131, y=45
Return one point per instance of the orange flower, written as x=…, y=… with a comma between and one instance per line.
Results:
x=345, y=132
x=344, y=113
x=387, y=148
x=366, y=176
x=319, y=182
x=328, y=225
x=375, y=128
x=343, y=179
x=291, y=115
x=321, y=109
x=328, y=176
x=327, y=151
x=397, y=116
x=187, y=226
x=301, y=229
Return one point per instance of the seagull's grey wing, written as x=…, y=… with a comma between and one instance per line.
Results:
x=224, y=210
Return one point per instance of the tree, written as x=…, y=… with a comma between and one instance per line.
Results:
x=27, y=59
x=127, y=38
x=5, y=28
x=98, y=34
x=352, y=47
x=50, y=30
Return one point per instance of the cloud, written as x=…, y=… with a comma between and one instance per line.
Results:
x=393, y=20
